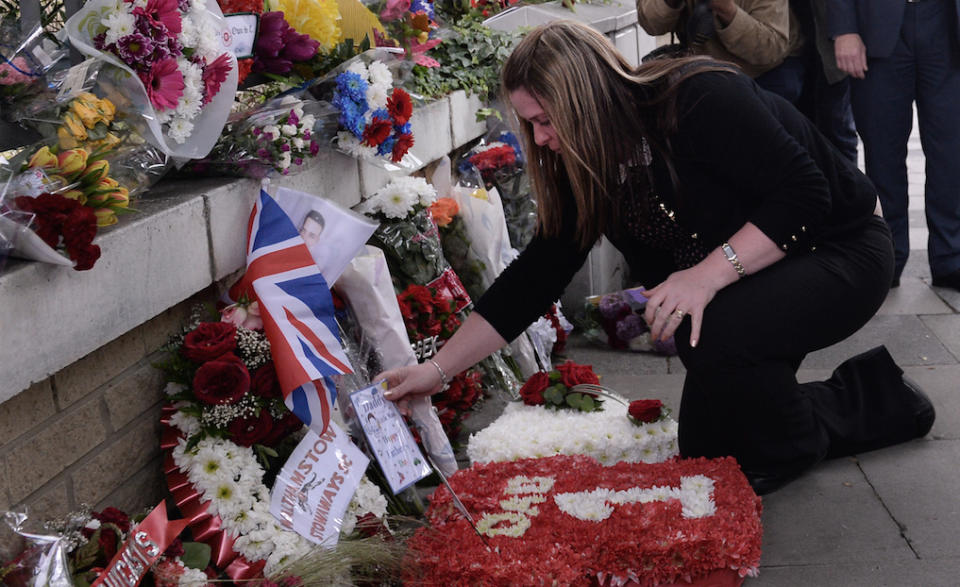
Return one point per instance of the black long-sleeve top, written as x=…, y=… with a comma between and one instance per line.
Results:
x=741, y=155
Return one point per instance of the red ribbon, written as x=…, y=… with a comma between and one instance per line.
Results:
x=143, y=547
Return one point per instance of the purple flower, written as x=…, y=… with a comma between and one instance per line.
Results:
x=306, y=134
x=256, y=131
x=285, y=147
x=134, y=47
x=263, y=153
x=270, y=35
x=298, y=161
x=631, y=327
x=292, y=118
x=613, y=306
x=299, y=47
x=314, y=148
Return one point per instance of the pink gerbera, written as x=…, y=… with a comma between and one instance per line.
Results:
x=164, y=84
x=165, y=12
x=214, y=74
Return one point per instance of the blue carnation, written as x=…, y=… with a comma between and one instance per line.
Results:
x=380, y=114
x=422, y=6
x=511, y=139
x=405, y=129
x=353, y=86
x=386, y=146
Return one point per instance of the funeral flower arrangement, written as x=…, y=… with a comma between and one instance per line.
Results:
x=227, y=431
x=569, y=520
x=616, y=319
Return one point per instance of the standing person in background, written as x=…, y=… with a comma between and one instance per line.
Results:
x=826, y=89
x=761, y=36
x=761, y=241
x=901, y=52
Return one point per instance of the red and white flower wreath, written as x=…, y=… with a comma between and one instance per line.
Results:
x=569, y=520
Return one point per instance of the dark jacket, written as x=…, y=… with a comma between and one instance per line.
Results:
x=876, y=21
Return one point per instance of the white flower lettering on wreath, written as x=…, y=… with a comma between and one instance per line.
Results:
x=525, y=492
x=695, y=494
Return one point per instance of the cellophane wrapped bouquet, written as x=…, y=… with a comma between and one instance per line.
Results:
x=616, y=320
x=168, y=63
x=26, y=56
x=432, y=300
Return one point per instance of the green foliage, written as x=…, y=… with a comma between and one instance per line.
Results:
x=196, y=555
x=471, y=56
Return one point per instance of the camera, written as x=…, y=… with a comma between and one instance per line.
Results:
x=700, y=25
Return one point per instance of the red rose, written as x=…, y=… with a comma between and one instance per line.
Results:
x=645, y=410
x=112, y=515
x=108, y=542
x=209, y=341
x=252, y=429
x=264, y=382
x=282, y=428
x=532, y=390
x=405, y=309
x=421, y=296
x=222, y=381
x=571, y=374
x=399, y=106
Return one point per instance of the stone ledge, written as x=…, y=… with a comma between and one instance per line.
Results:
x=187, y=235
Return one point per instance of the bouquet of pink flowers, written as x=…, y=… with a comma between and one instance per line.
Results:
x=183, y=80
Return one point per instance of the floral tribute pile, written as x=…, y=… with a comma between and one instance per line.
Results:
x=616, y=319
x=569, y=520
x=226, y=428
x=553, y=420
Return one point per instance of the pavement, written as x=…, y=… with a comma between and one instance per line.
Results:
x=884, y=518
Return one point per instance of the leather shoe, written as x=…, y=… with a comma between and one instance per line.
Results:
x=951, y=280
x=924, y=412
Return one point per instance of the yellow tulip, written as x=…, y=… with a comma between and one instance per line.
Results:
x=75, y=126
x=87, y=113
x=95, y=172
x=43, y=158
x=66, y=139
x=77, y=195
x=105, y=216
x=72, y=162
x=107, y=108
x=119, y=198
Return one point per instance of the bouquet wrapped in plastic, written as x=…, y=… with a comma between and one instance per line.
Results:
x=25, y=57
x=367, y=286
x=372, y=111
x=616, y=320
x=433, y=301
x=167, y=63
x=412, y=26
x=499, y=159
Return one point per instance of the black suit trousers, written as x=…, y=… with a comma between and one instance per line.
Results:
x=741, y=396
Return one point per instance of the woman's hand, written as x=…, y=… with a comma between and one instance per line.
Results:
x=407, y=383
x=683, y=293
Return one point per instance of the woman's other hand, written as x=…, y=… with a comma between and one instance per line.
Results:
x=407, y=383
x=684, y=293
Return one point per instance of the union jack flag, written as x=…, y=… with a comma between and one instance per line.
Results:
x=297, y=311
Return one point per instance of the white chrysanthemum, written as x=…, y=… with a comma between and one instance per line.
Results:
x=192, y=578
x=255, y=546
x=208, y=43
x=379, y=74
x=376, y=96
x=298, y=143
x=180, y=129
x=284, y=161
x=198, y=8
x=352, y=146
x=358, y=67
x=425, y=193
x=190, y=103
x=608, y=435
x=186, y=423
x=272, y=132
x=298, y=111
x=307, y=121
x=189, y=33
x=288, y=130
x=395, y=201
x=119, y=24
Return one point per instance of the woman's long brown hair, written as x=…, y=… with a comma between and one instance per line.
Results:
x=600, y=106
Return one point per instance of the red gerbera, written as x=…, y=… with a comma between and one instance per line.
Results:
x=400, y=107
x=400, y=148
x=376, y=131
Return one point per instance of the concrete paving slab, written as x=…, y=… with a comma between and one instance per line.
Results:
x=913, y=297
x=946, y=329
x=917, y=265
x=830, y=515
x=950, y=296
x=917, y=482
x=907, y=338
x=899, y=573
x=942, y=384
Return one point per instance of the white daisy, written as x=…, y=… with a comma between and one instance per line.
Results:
x=180, y=130
x=380, y=74
x=395, y=201
x=119, y=24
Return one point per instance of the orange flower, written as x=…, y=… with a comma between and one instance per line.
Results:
x=443, y=210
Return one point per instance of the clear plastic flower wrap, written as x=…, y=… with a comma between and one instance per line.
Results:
x=616, y=320
x=26, y=55
x=168, y=64
x=279, y=137
x=42, y=559
x=499, y=159
x=373, y=111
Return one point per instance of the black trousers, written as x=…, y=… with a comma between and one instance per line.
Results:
x=741, y=396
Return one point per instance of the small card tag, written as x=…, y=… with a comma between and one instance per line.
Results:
x=74, y=81
x=389, y=438
x=240, y=34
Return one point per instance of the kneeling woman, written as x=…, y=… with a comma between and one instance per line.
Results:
x=762, y=240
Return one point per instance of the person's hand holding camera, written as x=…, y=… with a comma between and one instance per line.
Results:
x=724, y=10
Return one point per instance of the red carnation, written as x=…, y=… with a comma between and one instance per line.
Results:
x=264, y=382
x=112, y=515
x=209, y=341
x=79, y=228
x=401, y=146
x=376, y=131
x=85, y=257
x=223, y=380
x=572, y=374
x=399, y=106
x=532, y=390
x=252, y=429
x=645, y=410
